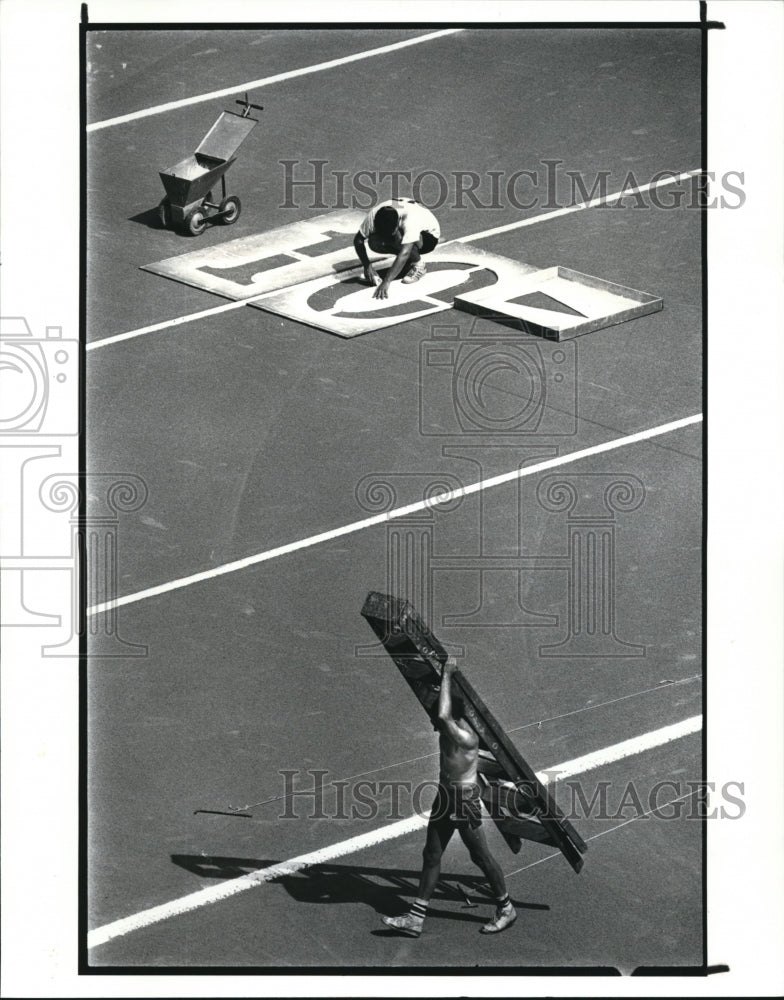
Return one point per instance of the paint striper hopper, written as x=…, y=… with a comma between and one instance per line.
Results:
x=188, y=204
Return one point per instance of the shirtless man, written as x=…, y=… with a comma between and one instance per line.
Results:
x=401, y=227
x=457, y=807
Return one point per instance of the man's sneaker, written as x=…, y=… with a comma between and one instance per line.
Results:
x=417, y=271
x=407, y=924
x=504, y=917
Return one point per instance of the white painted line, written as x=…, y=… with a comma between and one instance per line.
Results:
x=390, y=515
x=216, y=893
x=578, y=207
x=165, y=324
x=615, y=196
x=637, y=744
x=398, y=512
x=267, y=81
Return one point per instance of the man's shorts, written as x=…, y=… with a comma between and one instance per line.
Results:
x=461, y=804
x=377, y=245
x=429, y=242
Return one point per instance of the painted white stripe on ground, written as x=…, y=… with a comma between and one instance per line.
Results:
x=190, y=318
x=267, y=81
x=214, y=894
x=637, y=744
x=608, y=199
x=369, y=522
x=615, y=196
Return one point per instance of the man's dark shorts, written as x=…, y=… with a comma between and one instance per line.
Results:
x=377, y=245
x=429, y=242
x=459, y=804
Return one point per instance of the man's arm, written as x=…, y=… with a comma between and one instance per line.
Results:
x=397, y=266
x=370, y=274
x=359, y=246
x=460, y=736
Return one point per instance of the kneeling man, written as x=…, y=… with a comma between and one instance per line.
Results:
x=401, y=227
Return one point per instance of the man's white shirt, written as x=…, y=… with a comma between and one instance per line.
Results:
x=414, y=219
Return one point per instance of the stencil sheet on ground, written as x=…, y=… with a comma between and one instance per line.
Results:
x=313, y=271
x=268, y=261
x=343, y=304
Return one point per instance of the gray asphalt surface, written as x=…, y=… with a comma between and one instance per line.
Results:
x=251, y=431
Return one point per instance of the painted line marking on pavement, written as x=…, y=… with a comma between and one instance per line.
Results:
x=369, y=522
x=240, y=88
x=607, y=199
x=189, y=318
x=627, y=748
x=214, y=894
x=215, y=310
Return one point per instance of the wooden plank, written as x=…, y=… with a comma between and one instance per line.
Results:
x=506, y=797
x=526, y=829
x=420, y=657
x=489, y=766
x=522, y=774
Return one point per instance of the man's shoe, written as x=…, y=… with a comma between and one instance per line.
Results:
x=417, y=271
x=407, y=924
x=504, y=917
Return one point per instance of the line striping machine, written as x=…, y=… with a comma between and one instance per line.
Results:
x=188, y=204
